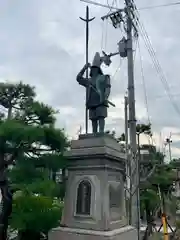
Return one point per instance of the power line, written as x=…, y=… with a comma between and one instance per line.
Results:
x=160, y=6
x=151, y=140
x=118, y=68
x=110, y=7
x=102, y=35
x=141, y=8
x=156, y=63
x=143, y=81
x=152, y=54
x=135, y=49
x=164, y=96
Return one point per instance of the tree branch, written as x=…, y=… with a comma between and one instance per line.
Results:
x=13, y=156
x=149, y=175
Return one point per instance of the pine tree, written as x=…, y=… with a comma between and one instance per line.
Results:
x=31, y=143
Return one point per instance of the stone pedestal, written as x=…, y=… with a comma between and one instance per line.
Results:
x=95, y=202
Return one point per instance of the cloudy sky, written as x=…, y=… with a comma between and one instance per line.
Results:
x=42, y=43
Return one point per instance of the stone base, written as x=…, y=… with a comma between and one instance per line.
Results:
x=64, y=233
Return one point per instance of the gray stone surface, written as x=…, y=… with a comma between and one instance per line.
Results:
x=96, y=159
x=125, y=233
x=115, y=200
x=94, y=151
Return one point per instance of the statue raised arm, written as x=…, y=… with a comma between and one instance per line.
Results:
x=80, y=79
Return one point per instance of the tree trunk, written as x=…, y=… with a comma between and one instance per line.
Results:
x=54, y=176
x=29, y=235
x=163, y=202
x=149, y=219
x=6, y=209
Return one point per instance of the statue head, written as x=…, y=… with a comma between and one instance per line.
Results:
x=95, y=67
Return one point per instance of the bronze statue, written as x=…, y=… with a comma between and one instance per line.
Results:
x=98, y=90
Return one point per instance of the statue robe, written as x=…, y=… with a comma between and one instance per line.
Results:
x=98, y=93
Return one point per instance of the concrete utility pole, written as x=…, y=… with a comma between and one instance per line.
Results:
x=128, y=173
x=126, y=125
x=168, y=142
x=132, y=120
x=126, y=50
x=126, y=122
x=138, y=180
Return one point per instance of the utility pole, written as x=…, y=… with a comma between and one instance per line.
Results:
x=126, y=122
x=128, y=173
x=87, y=20
x=126, y=50
x=168, y=142
x=132, y=121
x=138, y=180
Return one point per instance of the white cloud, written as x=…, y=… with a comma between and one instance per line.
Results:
x=43, y=43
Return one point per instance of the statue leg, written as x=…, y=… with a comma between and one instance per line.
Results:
x=94, y=126
x=93, y=118
x=101, y=113
x=101, y=124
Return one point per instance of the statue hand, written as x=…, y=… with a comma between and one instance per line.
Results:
x=87, y=65
x=106, y=103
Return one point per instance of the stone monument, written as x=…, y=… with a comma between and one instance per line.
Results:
x=94, y=206
x=95, y=202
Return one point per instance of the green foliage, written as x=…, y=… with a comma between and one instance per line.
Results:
x=122, y=138
x=29, y=128
x=37, y=113
x=172, y=205
x=16, y=95
x=163, y=177
x=178, y=224
x=143, y=128
x=30, y=140
x=17, y=133
x=35, y=213
x=161, y=181
x=150, y=197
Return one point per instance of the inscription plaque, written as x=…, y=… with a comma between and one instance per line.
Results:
x=83, y=203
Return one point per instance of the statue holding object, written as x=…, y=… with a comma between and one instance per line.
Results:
x=98, y=90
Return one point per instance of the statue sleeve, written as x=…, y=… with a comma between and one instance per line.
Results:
x=81, y=80
x=108, y=86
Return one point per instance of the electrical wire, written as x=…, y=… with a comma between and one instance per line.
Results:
x=156, y=63
x=118, y=68
x=153, y=142
x=111, y=7
x=102, y=35
x=135, y=49
x=157, y=67
x=141, y=8
x=160, y=6
x=106, y=32
x=143, y=82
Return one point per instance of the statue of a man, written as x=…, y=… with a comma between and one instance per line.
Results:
x=98, y=90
